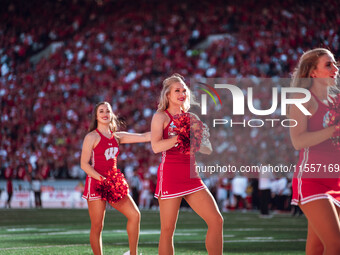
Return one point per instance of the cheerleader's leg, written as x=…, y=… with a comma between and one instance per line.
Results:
x=168, y=215
x=97, y=213
x=314, y=245
x=323, y=218
x=203, y=203
x=130, y=210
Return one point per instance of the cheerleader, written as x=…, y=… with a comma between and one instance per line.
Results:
x=174, y=181
x=317, y=191
x=99, y=160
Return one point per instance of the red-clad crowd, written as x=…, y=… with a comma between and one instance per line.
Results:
x=121, y=51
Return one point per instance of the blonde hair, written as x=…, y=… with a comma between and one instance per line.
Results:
x=94, y=123
x=307, y=63
x=163, y=99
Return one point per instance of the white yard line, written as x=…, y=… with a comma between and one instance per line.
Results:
x=43, y=247
x=156, y=242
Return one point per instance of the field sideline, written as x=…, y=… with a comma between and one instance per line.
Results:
x=66, y=232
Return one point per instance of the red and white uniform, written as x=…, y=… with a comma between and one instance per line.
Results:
x=176, y=177
x=324, y=181
x=103, y=160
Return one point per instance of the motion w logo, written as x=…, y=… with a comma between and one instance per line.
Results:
x=111, y=153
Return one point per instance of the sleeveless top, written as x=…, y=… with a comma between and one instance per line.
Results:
x=315, y=123
x=104, y=155
x=173, y=153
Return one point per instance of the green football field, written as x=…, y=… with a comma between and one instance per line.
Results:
x=66, y=231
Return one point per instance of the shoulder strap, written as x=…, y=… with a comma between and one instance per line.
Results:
x=170, y=116
x=317, y=99
x=101, y=135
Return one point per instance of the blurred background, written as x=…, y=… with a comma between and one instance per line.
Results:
x=59, y=58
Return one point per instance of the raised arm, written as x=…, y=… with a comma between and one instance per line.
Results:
x=86, y=153
x=126, y=137
x=157, y=142
x=300, y=136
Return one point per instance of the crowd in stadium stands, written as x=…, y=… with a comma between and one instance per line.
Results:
x=121, y=51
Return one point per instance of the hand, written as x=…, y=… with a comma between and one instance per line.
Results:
x=176, y=140
x=102, y=179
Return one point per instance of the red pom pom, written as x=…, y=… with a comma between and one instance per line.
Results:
x=114, y=187
x=334, y=111
x=336, y=136
x=187, y=124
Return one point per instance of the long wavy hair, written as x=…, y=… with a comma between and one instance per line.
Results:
x=113, y=122
x=163, y=99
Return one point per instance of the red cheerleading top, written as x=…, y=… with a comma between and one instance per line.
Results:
x=176, y=177
x=315, y=123
x=104, y=161
x=324, y=154
x=174, y=154
x=317, y=176
x=104, y=155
